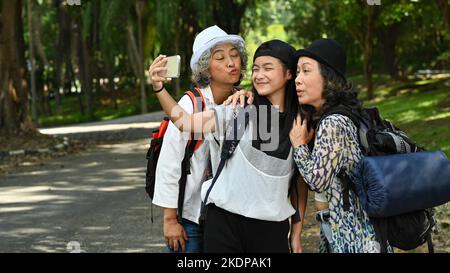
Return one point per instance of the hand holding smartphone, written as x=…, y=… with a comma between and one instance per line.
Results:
x=173, y=67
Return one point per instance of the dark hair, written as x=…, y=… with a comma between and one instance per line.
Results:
x=336, y=91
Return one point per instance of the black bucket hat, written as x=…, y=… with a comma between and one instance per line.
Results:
x=280, y=50
x=326, y=51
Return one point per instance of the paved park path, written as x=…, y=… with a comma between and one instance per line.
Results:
x=93, y=201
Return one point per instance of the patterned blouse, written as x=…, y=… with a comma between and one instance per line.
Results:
x=336, y=146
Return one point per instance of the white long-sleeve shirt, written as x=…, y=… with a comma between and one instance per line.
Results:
x=168, y=170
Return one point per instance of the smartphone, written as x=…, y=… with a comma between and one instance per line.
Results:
x=173, y=67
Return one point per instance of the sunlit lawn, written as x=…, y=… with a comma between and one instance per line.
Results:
x=424, y=115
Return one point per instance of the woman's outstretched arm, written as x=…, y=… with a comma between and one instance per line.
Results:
x=198, y=122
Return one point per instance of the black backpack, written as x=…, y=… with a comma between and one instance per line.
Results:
x=380, y=137
x=155, y=149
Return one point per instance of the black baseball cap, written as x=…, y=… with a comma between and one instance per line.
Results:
x=278, y=49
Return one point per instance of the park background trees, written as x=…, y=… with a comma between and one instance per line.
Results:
x=58, y=58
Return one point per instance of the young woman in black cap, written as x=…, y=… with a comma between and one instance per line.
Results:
x=249, y=205
x=321, y=85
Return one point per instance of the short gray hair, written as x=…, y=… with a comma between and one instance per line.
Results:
x=201, y=76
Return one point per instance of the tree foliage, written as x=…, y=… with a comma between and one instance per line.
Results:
x=395, y=38
x=84, y=47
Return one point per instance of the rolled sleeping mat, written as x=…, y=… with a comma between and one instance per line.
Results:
x=396, y=184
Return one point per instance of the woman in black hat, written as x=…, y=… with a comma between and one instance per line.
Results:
x=321, y=85
x=249, y=205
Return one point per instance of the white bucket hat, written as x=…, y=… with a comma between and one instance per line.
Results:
x=207, y=39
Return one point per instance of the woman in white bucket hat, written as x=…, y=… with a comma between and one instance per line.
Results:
x=249, y=207
x=217, y=64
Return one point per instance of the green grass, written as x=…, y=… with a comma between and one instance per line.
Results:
x=104, y=110
x=423, y=115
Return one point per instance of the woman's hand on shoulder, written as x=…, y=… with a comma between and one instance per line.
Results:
x=239, y=97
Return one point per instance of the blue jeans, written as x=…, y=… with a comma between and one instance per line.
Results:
x=195, y=236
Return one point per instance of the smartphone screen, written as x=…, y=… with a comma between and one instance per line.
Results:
x=173, y=67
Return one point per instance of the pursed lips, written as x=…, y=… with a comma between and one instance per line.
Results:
x=233, y=72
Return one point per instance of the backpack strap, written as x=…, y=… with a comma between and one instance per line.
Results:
x=430, y=243
x=360, y=120
x=194, y=143
x=345, y=111
x=380, y=227
x=347, y=185
x=234, y=132
x=185, y=170
x=432, y=221
x=198, y=102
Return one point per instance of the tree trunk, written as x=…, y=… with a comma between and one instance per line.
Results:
x=39, y=77
x=70, y=75
x=176, y=82
x=137, y=65
x=91, y=45
x=14, y=117
x=368, y=50
x=71, y=58
x=37, y=30
x=85, y=72
x=140, y=8
x=109, y=67
x=34, y=98
x=368, y=73
x=388, y=40
x=187, y=28
x=64, y=48
x=444, y=6
x=85, y=75
x=228, y=15
x=43, y=85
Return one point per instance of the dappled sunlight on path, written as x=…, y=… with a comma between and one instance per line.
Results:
x=96, y=198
